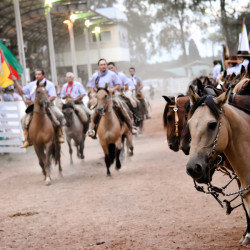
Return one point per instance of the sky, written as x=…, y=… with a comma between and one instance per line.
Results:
x=206, y=49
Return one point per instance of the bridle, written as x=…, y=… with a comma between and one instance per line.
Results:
x=215, y=191
x=176, y=118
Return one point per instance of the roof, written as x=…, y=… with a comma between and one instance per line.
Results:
x=34, y=21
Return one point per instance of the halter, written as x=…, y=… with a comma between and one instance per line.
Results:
x=176, y=118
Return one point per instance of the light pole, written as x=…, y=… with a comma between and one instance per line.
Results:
x=20, y=39
x=48, y=6
x=97, y=32
x=86, y=34
x=70, y=24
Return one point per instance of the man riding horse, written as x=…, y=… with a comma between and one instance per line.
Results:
x=74, y=91
x=53, y=112
x=138, y=87
x=99, y=80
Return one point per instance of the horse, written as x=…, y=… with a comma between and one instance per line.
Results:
x=42, y=135
x=173, y=120
x=216, y=127
x=74, y=129
x=110, y=130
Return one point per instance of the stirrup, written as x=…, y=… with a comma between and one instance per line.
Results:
x=134, y=130
x=60, y=140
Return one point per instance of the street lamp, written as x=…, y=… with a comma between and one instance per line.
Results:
x=70, y=24
x=87, y=23
x=97, y=32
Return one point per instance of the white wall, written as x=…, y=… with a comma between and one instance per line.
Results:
x=115, y=50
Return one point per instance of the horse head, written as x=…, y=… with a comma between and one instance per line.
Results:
x=68, y=111
x=208, y=133
x=42, y=95
x=173, y=118
x=103, y=101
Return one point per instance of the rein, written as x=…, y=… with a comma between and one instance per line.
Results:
x=176, y=118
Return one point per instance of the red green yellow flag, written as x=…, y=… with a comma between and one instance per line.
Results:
x=9, y=66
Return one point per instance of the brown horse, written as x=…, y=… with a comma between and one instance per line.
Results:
x=110, y=130
x=42, y=135
x=217, y=127
x=173, y=119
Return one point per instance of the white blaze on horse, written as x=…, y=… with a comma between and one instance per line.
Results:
x=217, y=127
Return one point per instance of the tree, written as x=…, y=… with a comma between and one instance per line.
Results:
x=193, y=51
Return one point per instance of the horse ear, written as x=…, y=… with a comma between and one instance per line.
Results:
x=167, y=99
x=106, y=85
x=97, y=86
x=200, y=84
x=224, y=74
x=37, y=83
x=223, y=98
x=193, y=96
x=45, y=84
x=242, y=70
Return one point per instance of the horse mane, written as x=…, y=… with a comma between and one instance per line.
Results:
x=102, y=89
x=208, y=100
x=67, y=105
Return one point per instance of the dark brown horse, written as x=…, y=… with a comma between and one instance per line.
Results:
x=42, y=135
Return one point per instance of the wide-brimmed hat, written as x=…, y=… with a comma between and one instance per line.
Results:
x=233, y=59
x=243, y=53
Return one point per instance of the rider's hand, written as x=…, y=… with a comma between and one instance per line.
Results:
x=93, y=94
x=13, y=77
x=28, y=102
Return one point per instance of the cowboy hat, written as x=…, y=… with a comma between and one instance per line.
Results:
x=243, y=54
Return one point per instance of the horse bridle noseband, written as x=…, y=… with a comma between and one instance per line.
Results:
x=176, y=118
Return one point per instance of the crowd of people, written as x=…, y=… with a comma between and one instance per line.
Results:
x=107, y=77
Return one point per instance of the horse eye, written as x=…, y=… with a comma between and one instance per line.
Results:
x=212, y=125
x=169, y=118
x=106, y=96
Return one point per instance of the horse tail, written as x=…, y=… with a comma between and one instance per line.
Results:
x=111, y=148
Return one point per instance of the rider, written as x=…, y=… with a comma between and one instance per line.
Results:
x=99, y=79
x=54, y=112
x=138, y=87
x=126, y=84
x=75, y=91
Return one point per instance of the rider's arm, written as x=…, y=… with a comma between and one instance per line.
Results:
x=141, y=85
x=117, y=87
x=17, y=86
x=79, y=98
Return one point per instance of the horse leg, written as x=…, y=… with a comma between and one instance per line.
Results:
x=245, y=240
x=47, y=163
x=117, y=154
x=70, y=150
x=107, y=157
x=82, y=147
x=129, y=145
x=58, y=158
x=41, y=157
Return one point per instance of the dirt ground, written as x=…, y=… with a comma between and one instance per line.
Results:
x=149, y=204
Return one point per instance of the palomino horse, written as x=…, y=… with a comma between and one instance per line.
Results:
x=217, y=127
x=75, y=130
x=42, y=134
x=110, y=130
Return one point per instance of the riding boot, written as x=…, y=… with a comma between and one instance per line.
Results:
x=60, y=135
x=94, y=125
x=26, y=143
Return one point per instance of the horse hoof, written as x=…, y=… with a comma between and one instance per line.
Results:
x=47, y=181
x=242, y=239
x=246, y=240
x=60, y=175
x=109, y=175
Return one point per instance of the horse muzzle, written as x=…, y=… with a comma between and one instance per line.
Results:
x=101, y=110
x=199, y=170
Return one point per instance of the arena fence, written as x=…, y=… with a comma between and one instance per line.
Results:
x=11, y=133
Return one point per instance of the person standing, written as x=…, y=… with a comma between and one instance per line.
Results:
x=54, y=112
x=216, y=69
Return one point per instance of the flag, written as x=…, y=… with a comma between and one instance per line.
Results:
x=9, y=66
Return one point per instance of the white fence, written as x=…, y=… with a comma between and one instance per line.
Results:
x=11, y=133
